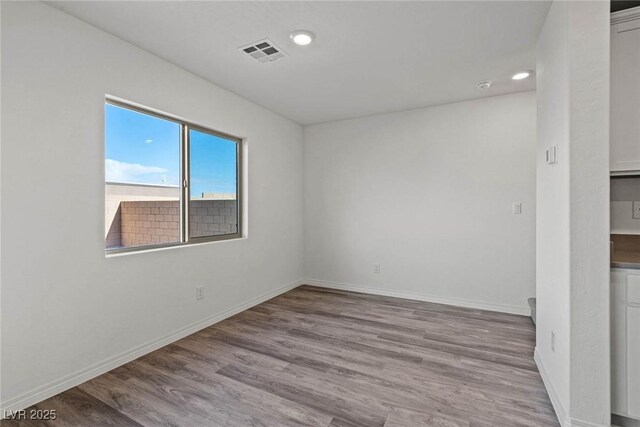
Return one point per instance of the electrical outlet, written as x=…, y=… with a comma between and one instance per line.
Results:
x=636, y=210
x=376, y=268
x=199, y=292
x=553, y=342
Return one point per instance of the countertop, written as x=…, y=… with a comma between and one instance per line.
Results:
x=626, y=265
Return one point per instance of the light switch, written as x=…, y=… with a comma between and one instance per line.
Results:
x=636, y=210
x=516, y=208
x=552, y=155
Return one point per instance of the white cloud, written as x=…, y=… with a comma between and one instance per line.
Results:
x=116, y=171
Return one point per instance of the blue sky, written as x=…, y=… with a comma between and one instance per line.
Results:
x=146, y=149
x=212, y=163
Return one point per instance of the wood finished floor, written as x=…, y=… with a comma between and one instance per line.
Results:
x=327, y=358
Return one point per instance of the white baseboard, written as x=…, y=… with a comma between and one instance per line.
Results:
x=561, y=413
x=58, y=386
x=573, y=422
x=502, y=308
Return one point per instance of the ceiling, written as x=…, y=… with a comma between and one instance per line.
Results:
x=368, y=57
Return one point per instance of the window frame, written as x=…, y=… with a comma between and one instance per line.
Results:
x=185, y=177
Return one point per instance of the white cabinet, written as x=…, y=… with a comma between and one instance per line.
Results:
x=618, y=342
x=625, y=342
x=633, y=361
x=625, y=91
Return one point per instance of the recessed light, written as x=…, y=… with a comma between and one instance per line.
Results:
x=483, y=85
x=301, y=37
x=521, y=75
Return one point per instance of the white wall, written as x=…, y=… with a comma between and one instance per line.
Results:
x=589, y=178
x=573, y=216
x=1, y=208
x=552, y=236
x=66, y=309
x=426, y=193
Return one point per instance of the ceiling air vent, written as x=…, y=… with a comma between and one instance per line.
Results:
x=263, y=51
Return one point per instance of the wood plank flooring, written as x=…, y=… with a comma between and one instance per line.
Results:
x=322, y=357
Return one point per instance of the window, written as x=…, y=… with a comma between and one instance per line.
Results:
x=167, y=182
